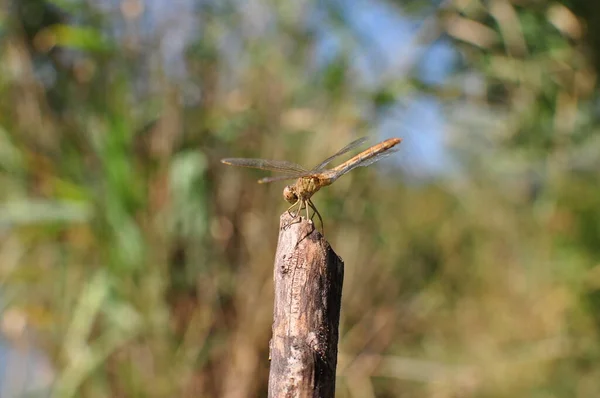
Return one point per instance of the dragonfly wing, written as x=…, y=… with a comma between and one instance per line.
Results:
x=264, y=164
x=281, y=178
x=342, y=151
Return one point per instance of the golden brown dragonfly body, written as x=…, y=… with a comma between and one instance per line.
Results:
x=310, y=181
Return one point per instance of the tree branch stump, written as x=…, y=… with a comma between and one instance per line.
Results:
x=308, y=278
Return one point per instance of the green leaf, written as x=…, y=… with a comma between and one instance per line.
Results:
x=78, y=37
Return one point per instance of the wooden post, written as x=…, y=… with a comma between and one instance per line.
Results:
x=308, y=278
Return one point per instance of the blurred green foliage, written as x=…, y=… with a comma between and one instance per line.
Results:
x=141, y=266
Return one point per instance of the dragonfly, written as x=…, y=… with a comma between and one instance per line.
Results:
x=308, y=182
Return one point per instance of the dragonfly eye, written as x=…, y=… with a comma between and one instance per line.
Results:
x=289, y=194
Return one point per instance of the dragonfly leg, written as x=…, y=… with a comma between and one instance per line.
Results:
x=291, y=207
x=303, y=205
x=297, y=212
x=312, y=206
x=307, y=216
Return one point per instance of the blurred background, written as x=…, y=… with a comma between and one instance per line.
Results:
x=134, y=264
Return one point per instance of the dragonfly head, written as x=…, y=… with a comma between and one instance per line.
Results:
x=289, y=194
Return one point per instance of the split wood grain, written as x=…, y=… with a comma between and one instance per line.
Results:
x=308, y=277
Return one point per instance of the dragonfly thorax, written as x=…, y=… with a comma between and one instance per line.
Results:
x=304, y=189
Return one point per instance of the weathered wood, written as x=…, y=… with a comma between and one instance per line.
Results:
x=308, y=278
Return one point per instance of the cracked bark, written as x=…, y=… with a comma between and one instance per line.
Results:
x=308, y=278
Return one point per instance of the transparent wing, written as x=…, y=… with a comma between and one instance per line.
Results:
x=282, y=178
x=342, y=151
x=281, y=166
x=362, y=163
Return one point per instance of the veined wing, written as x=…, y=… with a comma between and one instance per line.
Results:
x=282, y=178
x=280, y=166
x=342, y=151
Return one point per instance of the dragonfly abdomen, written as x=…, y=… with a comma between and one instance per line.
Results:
x=366, y=157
